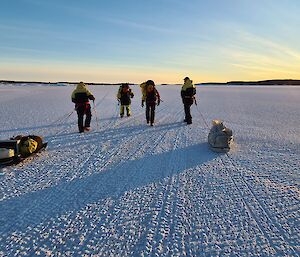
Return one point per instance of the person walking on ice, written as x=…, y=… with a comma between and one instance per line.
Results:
x=151, y=96
x=188, y=92
x=81, y=96
x=124, y=96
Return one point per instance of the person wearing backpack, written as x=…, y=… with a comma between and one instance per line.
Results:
x=81, y=96
x=124, y=96
x=151, y=96
x=188, y=92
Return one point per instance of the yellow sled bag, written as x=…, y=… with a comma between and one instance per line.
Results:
x=28, y=147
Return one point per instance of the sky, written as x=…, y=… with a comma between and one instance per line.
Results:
x=163, y=40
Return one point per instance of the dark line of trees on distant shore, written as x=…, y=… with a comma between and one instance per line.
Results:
x=262, y=82
x=61, y=82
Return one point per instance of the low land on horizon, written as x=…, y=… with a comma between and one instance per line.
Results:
x=271, y=82
x=283, y=82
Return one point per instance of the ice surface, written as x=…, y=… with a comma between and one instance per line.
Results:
x=127, y=189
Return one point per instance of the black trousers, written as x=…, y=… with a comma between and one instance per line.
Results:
x=150, y=113
x=81, y=111
x=187, y=112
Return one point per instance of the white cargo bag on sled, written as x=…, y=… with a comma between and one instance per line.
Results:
x=6, y=153
x=219, y=137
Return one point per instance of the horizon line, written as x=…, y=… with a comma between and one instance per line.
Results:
x=117, y=83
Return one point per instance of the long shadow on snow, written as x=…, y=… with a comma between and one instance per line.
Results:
x=49, y=126
x=113, y=135
x=33, y=208
x=39, y=127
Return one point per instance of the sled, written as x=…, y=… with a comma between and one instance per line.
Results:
x=219, y=137
x=12, y=149
x=219, y=150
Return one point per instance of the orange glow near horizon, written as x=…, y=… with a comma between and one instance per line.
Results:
x=99, y=73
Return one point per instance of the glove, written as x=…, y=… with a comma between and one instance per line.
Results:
x=158, y=102
x=143, y=103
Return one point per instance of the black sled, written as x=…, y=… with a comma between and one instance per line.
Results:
x=10, y=152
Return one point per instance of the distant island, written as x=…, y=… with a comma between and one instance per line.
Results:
x=273, y=82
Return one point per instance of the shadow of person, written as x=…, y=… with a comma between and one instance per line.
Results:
x=111, y=134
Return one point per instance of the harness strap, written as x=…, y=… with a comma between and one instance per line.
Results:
x=86, y=106
x=82, y=104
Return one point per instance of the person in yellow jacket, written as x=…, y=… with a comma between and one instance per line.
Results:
x=124, y=96
x=188, y=92
x=81, y=96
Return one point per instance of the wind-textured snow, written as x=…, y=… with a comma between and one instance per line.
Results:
x=128, y=189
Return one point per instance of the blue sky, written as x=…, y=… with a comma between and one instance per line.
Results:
x=163, y=40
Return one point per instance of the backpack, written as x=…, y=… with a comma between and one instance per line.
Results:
x=124, y=88
x=147, y=89
x=28, y=147
x=190, y=92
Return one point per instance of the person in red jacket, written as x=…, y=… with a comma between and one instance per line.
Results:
x=152, y=98
x=81, y=96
